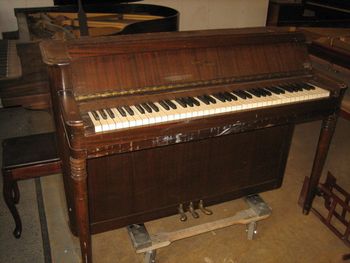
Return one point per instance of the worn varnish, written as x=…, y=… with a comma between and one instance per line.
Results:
x=116, y=178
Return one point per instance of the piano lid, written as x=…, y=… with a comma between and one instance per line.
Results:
x=75, y=2
x=154, y=62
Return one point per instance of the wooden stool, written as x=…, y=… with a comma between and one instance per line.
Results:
x=25, y=158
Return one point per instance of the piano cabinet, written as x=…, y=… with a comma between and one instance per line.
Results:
x=115, y=178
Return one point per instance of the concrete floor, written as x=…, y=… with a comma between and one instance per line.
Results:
x=286, y=236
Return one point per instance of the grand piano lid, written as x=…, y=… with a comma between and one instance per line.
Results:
x=75, y=2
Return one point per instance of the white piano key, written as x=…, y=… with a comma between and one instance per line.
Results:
x=96, y=123
x=140, y=119
x=110, y=121
x=124, y=123
x=104, y=123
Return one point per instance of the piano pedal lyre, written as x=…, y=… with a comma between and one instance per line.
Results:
x=204, y=210
x=181, y=210
x=192, y=211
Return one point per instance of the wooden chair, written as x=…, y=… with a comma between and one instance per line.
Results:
x=26, y=158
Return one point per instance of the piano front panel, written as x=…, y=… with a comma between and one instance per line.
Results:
x=143, y=185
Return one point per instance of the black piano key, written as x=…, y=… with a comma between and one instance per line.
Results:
x=210, y=98
x=239, y=94
x=267, y=92
x=204, y=100
x=103, y=114
x=146, y=107
x=164, y=105
x=261, y=92
x=195, y=102
x=230, y=95
x=254, y=92
x=274, y=90
x=94, y=113
x=181, y=102
x=170, y=104
x=121, y=111
x=153, y=106
x=219, y=96
x=298, y=88
x=305, y=86
x=285, y=88
x=188, y=101
x=280, y=90
x=311, y=87
x=249, y=96
x=227, y=98
x=129, y=110
x=291, y=86
x=110, y=113
x=140, y=109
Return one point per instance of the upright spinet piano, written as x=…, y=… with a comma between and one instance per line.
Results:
x=27, y=84
x=149, y=122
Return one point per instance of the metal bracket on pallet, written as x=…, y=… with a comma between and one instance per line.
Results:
x=148, y=244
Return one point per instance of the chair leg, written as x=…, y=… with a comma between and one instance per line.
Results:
x=11, y=197
x=15, y=192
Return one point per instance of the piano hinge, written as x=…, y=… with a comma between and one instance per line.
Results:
x=220, y=81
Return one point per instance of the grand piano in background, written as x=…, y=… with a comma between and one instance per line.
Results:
x=309, y=13
x=149, y=123
x=23, y=77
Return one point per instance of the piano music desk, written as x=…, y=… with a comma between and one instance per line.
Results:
x=26, y=157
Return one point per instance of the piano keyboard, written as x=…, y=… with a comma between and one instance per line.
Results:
x=10, y=65
x=149, y=113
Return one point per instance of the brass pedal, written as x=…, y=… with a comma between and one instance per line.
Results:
x=204, y=210
x=181, y=210
x=192, y=211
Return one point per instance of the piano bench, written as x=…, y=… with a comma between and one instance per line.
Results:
x=26, y=157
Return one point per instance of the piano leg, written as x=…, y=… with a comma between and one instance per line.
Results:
x=79, y=176
x=324, y=141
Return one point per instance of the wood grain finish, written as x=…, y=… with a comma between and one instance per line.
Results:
x=139, y=174
x=31, y=90
x=161, y=178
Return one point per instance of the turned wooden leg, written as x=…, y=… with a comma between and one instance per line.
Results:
x=327, y=131
x=10, y=199
x=79, y=176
